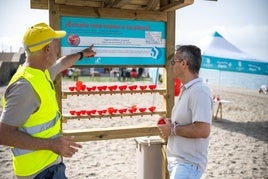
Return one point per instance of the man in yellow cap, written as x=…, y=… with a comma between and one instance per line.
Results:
x=30, y=121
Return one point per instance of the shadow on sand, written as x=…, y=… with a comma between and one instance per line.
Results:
x=258, y=130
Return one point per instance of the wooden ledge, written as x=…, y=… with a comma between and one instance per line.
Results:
x=83, y=135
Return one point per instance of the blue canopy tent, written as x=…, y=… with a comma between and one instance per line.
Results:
x=219, y=54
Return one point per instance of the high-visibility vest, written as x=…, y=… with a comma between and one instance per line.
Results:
x=44, y=123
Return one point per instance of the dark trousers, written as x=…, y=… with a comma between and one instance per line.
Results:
x=54, y=172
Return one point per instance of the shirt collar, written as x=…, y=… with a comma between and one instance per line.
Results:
x=191, y=83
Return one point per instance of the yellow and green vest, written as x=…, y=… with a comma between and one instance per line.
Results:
x=44, y=123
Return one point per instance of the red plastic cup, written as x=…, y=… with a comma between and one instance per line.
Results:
x=78, y=88
x=143, y=87
x=132, y=87
x=152, y=87
x=112, y=88
x=88, y=113
x=142, y=109
x=131, y=110
x=79, y=83
x=110, y=110
x=72, y=112
x=72, y=88
x=93, y=88
x=78, y=113
x=134, y=109
x=100, y=88
x=100, y=112
x=83, y=87
x=161, y=121
x=152, y=108
x=104, y=87
x=121, y=111
x=122, y=87
x=93, y=111
x=104, y=111
x=83, y=112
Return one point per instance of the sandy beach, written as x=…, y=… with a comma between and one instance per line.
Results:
x=238, y=147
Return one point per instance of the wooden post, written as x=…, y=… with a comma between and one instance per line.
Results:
x=168, y=81
x=54, y=22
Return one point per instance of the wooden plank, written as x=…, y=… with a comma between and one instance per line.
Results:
x=164, y=161
x=120, y=3
x=60, y=1
x=80, y=3
x=169, y=81
x=150, y=5
x=176, y=5
x=54, y=22
x=39, y=4
x=75, y=93
x=153, y=5
x=83, y=135
x=66, y=10
x=168, y=75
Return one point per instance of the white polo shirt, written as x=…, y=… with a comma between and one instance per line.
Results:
x=194, y=104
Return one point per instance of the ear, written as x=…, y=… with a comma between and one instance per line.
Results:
x=46, y=48
x=184, y=62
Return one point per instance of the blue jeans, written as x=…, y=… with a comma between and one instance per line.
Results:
x=183, y=170
x=54, y=172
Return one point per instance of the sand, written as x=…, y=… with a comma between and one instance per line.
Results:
x=238, y=146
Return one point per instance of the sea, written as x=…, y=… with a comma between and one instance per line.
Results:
x=233, y=79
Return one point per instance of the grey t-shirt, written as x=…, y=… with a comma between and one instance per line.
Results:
x=22, y=100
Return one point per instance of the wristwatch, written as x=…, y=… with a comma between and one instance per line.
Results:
x=173, y=129
x=81, y=55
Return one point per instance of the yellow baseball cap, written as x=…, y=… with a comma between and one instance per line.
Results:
x=39, y=35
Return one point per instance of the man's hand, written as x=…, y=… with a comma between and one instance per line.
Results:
x=65, y=146
x=88, y=52
x=164, y=127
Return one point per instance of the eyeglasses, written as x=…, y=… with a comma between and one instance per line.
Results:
x=172, y=61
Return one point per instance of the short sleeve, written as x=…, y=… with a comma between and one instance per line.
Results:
x=54, y=70
x=21, y=102
x=201, y=105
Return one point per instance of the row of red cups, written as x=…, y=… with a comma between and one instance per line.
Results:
x=111, y=111
x=83, y=87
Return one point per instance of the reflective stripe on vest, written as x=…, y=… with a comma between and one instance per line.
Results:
x=42, y=127
x=37, y=129
x=17, y=152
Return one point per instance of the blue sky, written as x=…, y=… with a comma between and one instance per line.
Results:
x=242, y=22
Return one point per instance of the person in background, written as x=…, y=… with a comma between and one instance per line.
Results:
x=188, y=129
x=30, y=121
x=133, y=73
x=140, y=72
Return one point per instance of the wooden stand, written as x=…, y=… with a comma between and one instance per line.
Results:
x=152, y=10
x=219, y=108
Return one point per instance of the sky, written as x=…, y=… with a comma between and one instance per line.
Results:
x=244, y=23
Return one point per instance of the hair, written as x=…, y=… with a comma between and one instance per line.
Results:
x=192, y=54
x=29, y=53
